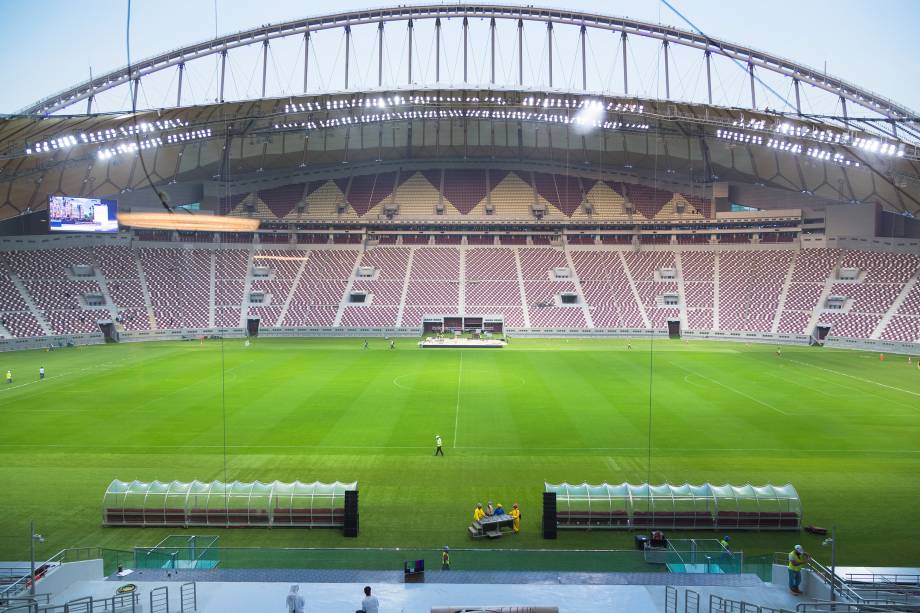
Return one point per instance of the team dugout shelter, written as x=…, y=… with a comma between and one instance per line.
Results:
x=228, y=505
x=684, y=507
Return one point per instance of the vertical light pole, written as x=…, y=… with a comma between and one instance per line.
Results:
x=32, y=538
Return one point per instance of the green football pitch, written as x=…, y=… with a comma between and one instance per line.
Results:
x=843, y=427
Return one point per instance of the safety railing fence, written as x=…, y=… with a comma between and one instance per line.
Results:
x=845, y=592
x=159, y=600
x=717, y=604
x=883, y=578
x=901, y=588
x=533, y=560
x=188, y=597
x=868, y=606
x=16, y=587
x=121, y=603
x=691, y=601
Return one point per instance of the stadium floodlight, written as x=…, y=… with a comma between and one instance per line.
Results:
x=590, y=115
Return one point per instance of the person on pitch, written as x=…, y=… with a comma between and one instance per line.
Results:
x=41, y=373
x=478, y=513
x=438, y=444
x=516, y=517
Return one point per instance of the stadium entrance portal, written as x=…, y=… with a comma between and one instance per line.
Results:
x=252, y=326
x=674, y=328
x=108, y=331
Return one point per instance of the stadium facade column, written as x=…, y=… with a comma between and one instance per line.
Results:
x=179, y=89
x=843, y=107
x=380, y=54
x=549, y=43
x=753, y=94
x=437, y=50
x=347, y=51
x=411, y=28
x=584, y=63
x=264, y=64
x=137, y=87
x=306, y=59
x=708, y=54
x=492, y=43
x=798, y=100
x=466, y=33
x=667, y=74
x=520, y=52
x=223, y=74
x=625, y=75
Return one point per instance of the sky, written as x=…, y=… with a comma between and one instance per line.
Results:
x=50, y=45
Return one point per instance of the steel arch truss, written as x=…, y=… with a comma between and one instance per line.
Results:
x=892, y=118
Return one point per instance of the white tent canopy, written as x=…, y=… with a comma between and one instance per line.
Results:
x=686, y=506
x=216, y=503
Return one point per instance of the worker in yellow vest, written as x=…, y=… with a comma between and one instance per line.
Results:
x=478, y=513
x=516, y=517
x=798, y=558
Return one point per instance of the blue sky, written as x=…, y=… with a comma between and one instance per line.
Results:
x=50, y=45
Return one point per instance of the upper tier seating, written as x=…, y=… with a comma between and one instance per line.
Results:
x=438, y=193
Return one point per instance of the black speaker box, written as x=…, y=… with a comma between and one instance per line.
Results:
x=351, y=513
x=549, y=515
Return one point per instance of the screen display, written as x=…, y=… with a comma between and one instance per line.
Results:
x=67, y=214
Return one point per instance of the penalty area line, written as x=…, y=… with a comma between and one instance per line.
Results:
x=731, y=389
x=843, y=374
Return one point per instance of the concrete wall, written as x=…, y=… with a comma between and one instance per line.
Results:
x=62, y=577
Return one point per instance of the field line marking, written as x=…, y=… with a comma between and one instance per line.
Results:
x=843, y=374
x=66, y=374
x=529, y=449
x=457, y=410
x=731, y=389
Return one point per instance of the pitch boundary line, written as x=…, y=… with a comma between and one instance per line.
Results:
x=731, y=389
x=548, y=449
x=843, y=374
x=457, y=410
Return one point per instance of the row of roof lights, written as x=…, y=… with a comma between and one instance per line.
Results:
x=786, y=145
x=739, y=137
x=66, y=141
x=457, y=113
x=874, y=145
x=752, y=124
x=188, y=136
x=383, y=102
x=388, y=101
x=107, y=153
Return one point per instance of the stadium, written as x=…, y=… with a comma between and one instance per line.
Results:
x=333, y=282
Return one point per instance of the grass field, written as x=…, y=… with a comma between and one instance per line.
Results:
x=843, y=427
